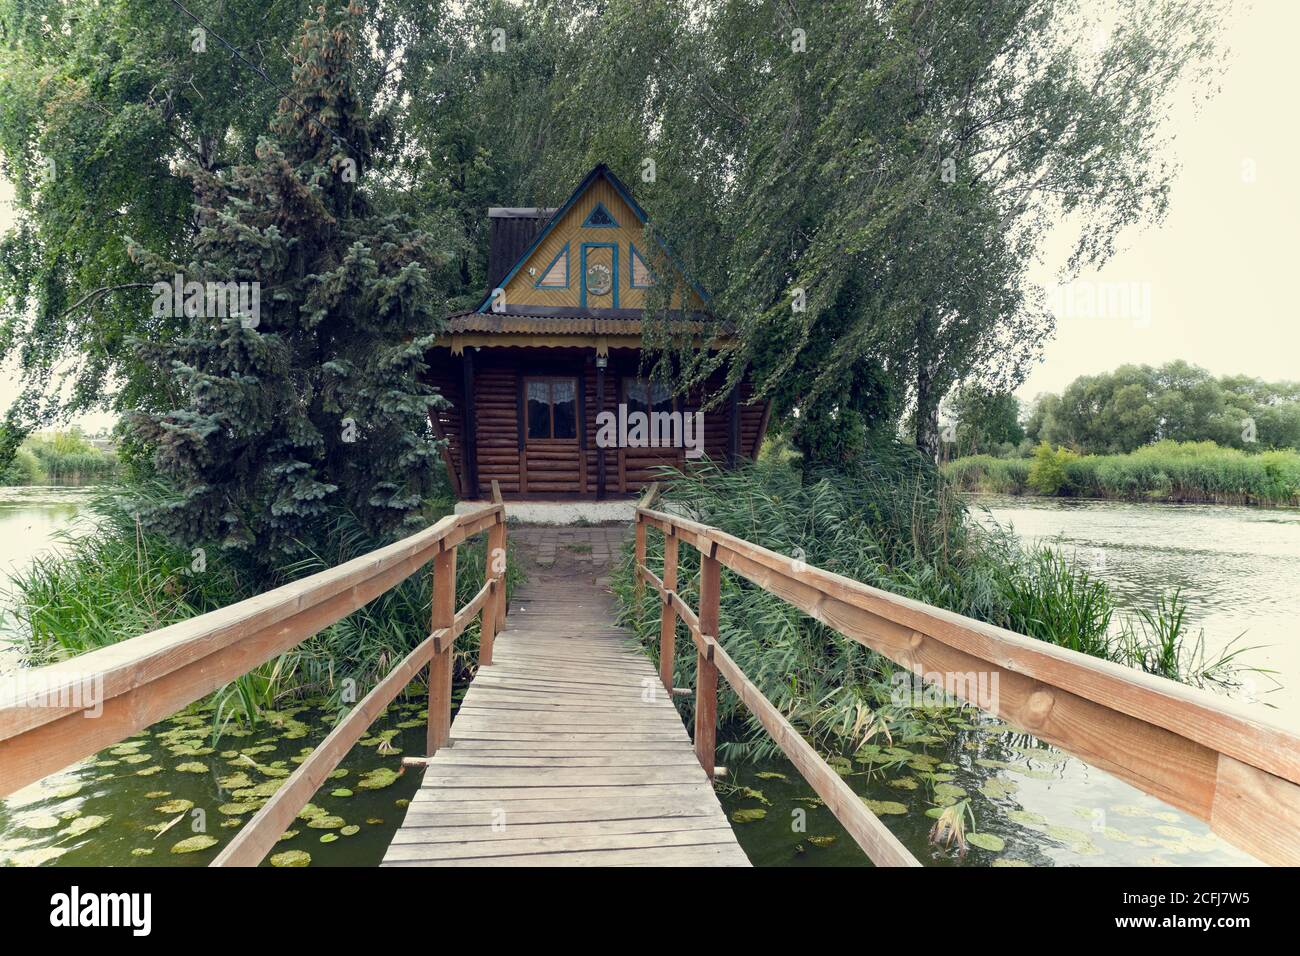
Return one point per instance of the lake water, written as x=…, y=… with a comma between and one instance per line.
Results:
x=1237, y=568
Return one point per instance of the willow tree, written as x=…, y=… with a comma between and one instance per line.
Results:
x=299, y=398
x=864, y=187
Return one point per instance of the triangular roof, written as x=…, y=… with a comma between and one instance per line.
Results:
x=600, y=173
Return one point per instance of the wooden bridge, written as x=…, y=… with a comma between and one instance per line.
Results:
x=567, y=750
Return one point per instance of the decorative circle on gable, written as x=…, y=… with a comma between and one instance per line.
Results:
x=599, y=279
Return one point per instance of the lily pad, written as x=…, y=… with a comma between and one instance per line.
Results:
x=83, y=825
x=341, y=792
x=350, y=829
x=1026, y=818
x=195, y=844
x=885, y=807
x=175, y=806
x=378, y=778
x=193, y=766
x=328, y=837
x=326, y=822
x=748, y=815
x=986, y=841
x=37, y=821
x=821, y=840
x=291, y=858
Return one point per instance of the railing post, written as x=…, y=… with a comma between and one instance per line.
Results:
x=491, y=607
x=667, y=616
x=503, y=606
x=640, y=556
x=706, y=671
x=444, y=617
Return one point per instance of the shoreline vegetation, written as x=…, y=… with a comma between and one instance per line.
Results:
x=896, y=524
x=61, y=458
x=1166, y=471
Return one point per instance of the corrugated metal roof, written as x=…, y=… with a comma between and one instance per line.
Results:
x=542, y=324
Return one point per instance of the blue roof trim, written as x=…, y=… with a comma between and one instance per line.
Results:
x=600, y=170
x=543, y=274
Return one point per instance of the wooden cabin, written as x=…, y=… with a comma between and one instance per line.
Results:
x=555, y=343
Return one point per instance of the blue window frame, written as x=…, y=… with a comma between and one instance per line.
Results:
x=613, y=248
x=599, y=218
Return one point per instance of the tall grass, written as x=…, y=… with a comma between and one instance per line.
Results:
x=63, y=458
x=111, y=580
x=1164, y=471
x=894, y=524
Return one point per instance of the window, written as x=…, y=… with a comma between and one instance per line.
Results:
x=556, y=275
x=641, y=276
x=552, y=407
x=600, y=218
x=646, y=396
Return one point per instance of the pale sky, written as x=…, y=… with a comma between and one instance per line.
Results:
x=1215, y=284
x=1221, y=271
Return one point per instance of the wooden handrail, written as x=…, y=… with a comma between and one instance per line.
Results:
x=139, y=681
x=1217, y=759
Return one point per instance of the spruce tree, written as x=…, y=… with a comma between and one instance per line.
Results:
x=307, y=402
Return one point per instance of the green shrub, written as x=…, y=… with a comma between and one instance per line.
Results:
x=24, y=469
x=1048, y=474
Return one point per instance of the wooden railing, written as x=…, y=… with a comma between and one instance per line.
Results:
x=1217, y=759
x=46, y=722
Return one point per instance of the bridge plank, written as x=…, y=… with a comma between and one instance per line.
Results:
x=565, y=752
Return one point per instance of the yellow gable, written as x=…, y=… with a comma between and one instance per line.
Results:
x=594, y=257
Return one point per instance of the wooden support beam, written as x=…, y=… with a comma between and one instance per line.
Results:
x=706, y=671
x=600, y=450
x=667, y=617
x=469, y=434
x=640, y=557
x=503, y=606
x=444, y=616
x=733, y=428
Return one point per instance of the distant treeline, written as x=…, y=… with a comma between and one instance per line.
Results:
x=59, y=458
x=1164, y=471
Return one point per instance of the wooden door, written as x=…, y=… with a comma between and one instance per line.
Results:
x=552, y=462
